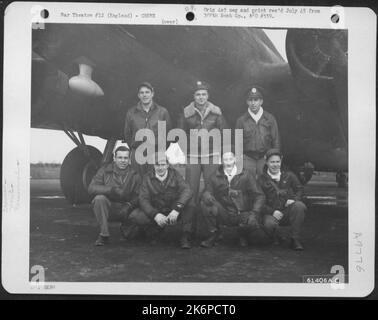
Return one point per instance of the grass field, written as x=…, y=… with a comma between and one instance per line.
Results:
x=45, y=170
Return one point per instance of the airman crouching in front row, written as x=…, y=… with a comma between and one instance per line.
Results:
x=232, y=198
x=164, y=199
x=283, y=193
x=115, y=187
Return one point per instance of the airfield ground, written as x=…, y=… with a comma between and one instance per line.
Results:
x=62, y=237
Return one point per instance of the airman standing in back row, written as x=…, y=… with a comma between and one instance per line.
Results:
x=145, y=115
x=260, y=132
x=201, y=114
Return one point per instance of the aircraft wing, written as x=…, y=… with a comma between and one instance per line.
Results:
x=171, y=58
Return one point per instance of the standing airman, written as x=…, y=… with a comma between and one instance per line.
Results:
x=260, y=132
x=145, y=115
x=201, y=114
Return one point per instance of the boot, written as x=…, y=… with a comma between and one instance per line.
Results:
x=296, y=245
x=101, y=241
x=185, y=241
x=243, y=242
x=278, y=240
x=153, y=234
x=243, y=233
x=209, y=242
x=128, y=231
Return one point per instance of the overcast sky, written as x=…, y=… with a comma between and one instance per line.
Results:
x=52, y=145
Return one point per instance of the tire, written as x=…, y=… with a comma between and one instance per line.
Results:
x=76, y=172
x=304, y=173
x=342, y=180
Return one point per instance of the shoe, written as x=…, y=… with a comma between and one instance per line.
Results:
x=153, y=234
x=278, y=240
x=128, y=231
x=296, y=245
x=243, y=242
x=153, y=242
x=101, y=241
x=185, y=242
x=209, y=242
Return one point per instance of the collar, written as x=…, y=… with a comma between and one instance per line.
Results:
x=232, y=174
x=275, y=177
x=256, y=116
x=140, y=107
x=206, y=110
x=221, y=173
x=191, y=110
x=166, y=177
x=161, y=179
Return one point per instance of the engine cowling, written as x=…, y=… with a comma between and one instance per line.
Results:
x=318, y=59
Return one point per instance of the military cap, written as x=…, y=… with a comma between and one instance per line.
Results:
x=146, y=85
x=201, y=85
x=273, y=152
x=256, y=92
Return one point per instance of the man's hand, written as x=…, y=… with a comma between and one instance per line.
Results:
x=289, y=202
x=125, y=210
x=161, y=220
x=116, y=192
x=208, y=199
x=172, y=217
x=278, y=215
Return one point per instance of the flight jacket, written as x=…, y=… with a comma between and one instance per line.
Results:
x=160, y=197
x=109, y=176
x=241, y=194
x=277, y=193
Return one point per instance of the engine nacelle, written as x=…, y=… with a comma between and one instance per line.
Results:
x=319, y=64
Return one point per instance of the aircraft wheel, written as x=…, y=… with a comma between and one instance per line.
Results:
x=77, y=172
x=342, y=180
x=304, y=173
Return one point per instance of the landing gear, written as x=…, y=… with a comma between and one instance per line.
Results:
x=77, y=172
x=341, y=179
x=79, y=167
x=305, y=172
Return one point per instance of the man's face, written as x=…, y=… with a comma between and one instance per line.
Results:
x=228, y=160
x=201, y=97
x=274, y=164
x=121, y=159
x=161, y=167
x=254, y=104
x=145, y=95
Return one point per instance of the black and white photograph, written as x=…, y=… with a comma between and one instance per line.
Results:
x=191, y=153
